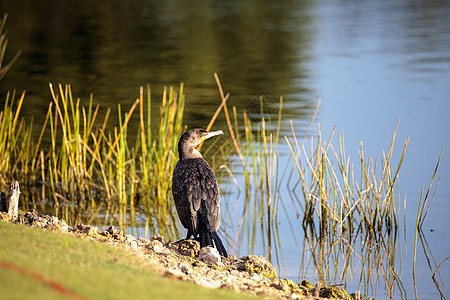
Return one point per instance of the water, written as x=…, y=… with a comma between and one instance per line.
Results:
x=371, y=63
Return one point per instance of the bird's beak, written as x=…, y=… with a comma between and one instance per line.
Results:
x=211, y=134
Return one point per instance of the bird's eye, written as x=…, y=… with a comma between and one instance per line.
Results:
x=203, y=133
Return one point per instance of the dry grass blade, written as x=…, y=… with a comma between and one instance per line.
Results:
x=227, y=116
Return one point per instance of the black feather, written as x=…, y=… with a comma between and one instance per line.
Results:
x=196, y=193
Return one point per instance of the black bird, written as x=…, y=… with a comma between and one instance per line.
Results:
x=196, y=192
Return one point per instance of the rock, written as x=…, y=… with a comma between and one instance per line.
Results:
x=116, y=234
x=132, y=244
x=294, y=288
x=130, y=241
x=158, y=238
x=129, y=237
x=158, y=247
x=84, y=229
x=334, y=292
x=255, y=276
x=142, y=241
x=188, y=247
x=185, y=268
x=280, y=285
x=257, y=264
x=33, y=218
x=236, y=273
x=307, y=285
x=230, y=284
x=210, y=256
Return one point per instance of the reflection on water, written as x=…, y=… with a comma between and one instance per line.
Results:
x=110, y=48
x=370, y=62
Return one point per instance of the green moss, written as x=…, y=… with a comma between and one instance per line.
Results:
x=216, y=267
x=334, y=292
x=250, y=269
x=292, y=286
x=197, y=263
x=227, y=268
x=307, y=285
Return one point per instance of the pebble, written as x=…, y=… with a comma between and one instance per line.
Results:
x=210, y=255
x=255, y=276
x=185, y=268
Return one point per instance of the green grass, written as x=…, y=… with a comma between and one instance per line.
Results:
x=91, y=269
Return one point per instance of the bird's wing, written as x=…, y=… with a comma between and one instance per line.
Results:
x=196, y=194
x=181, y=190
x=209, y=196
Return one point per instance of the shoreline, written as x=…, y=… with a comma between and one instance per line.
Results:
x=184, y=260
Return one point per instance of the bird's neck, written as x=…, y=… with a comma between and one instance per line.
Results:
x=191, y=153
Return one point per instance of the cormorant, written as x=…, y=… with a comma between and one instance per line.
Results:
x=196, y=192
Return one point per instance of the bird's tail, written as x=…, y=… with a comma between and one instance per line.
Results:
x=208, y=238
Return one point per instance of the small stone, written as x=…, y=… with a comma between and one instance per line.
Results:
x=85, y=229
x=157, y=237
x=129, y=239
x=231, y=257
x=255, y=276
x=143, y=241
x=158, y=247
x=210, y=255
x=280, y=285
x=236, y=273
x=133, y=245
x=185, y=268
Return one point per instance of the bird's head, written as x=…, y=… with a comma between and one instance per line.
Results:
x=191, y=139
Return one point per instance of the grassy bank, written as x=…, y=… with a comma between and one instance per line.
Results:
x=84, y=268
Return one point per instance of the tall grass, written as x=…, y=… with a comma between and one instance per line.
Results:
x=257, y=162
x=340, y=204
x=424, y=204
x=89, y=170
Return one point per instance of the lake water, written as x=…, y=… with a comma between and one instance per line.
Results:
x=370, y=62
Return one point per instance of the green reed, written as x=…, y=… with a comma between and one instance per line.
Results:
x=13, y=136
x=340, y=205
x=256, y=149
x=159, y=157
x=424, y=204
x=89, y=169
